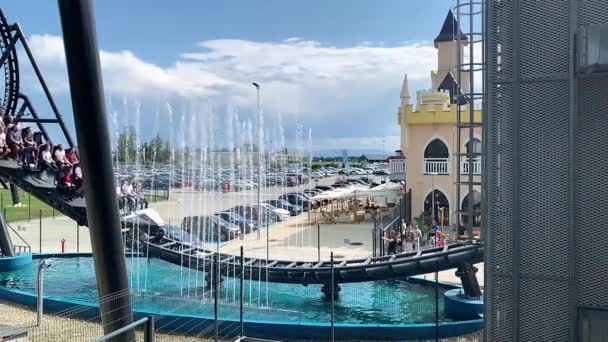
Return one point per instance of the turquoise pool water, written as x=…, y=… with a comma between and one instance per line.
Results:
x=165, y=288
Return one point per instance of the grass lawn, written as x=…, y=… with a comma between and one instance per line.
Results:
x=34, y=207
x=31, y=207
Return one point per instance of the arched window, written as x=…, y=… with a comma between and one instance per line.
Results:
x=472, y=201
x=473, y=146
x=442, y=206
x=436, y=149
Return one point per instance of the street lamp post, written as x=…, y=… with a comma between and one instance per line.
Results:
x=433, y=174
x=257, y=87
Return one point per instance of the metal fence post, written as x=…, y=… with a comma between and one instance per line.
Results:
x=216, y=282
x=40, y=230
x=242, y=264
x=333, y=296
x=436, y=303
x=374, y=238
x=29, y=207
x=40, y=300
x=77, y=238
x=318, y=242
x=149, y=330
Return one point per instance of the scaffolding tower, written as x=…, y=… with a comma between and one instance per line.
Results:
x=470, y=27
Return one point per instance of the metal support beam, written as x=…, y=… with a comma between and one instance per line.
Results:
x=15, y=194
x=39, y=122
x=45, y=88
x=6, y=244
x=468, y=279
x=82, y=57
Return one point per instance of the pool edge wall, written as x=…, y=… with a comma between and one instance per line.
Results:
x=16, y=262
x=460, y=308
x=260, y=328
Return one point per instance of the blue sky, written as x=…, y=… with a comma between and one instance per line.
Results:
x=335, y=66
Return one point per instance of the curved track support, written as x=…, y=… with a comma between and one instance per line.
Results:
x=326, y=289
x=6, y=244
x=10, y=64
x=467, y=274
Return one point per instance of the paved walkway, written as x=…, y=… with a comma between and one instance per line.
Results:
x=295, y=239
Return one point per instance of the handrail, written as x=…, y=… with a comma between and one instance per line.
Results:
x=148, y=331
x=20, y=237
x=390, y=224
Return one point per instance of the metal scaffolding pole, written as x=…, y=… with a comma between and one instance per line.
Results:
x=82, y=57
x=469, y=14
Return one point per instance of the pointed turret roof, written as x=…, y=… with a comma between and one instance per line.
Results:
x=450, y=84
x=448, y=30
x=405, y=88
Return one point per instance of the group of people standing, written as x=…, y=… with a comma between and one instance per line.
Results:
x=408, y=240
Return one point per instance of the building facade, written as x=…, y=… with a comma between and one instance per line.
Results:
x=429, y=135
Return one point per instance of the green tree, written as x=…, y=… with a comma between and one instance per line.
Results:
x=126, y=146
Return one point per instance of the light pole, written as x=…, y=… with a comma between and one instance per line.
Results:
x=383, y=141
x=257, y=87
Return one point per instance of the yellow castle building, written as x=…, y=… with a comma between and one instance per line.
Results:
x=429, y=136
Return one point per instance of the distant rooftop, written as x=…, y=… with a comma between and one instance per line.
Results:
x=450, y=84
x=447, y=33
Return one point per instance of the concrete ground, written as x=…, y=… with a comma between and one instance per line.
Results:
x=57, y=328
x=295, y=239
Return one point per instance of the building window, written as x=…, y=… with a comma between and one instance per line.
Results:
x=436, y=149
x=473, y=146
x=475, y=199
x=436, y=158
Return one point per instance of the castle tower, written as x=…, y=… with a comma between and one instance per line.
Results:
x=449, y=45
x=406, y=99
x=430, y=136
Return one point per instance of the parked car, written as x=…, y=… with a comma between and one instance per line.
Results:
x=279, y=213
x=294, y=210
x=251, y=212
x=208, y=228
x=296, y=199
x=244, y=224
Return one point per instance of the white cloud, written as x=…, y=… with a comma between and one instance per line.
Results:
x=324, y=85
x=297, y=75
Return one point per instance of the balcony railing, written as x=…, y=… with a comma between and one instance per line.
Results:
x=397, y=165
x=440, y=166
x=397, y=169
x=465, y=166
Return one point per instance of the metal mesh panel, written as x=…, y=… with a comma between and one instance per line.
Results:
x=544, y=312
x=592, y=191
x=503, y=318
x=503, y=161
x=544, y=178
x=544, y=38
x=592, y=12
x=502, y=33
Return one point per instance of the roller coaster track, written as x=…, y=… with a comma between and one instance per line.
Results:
x=307, y=272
